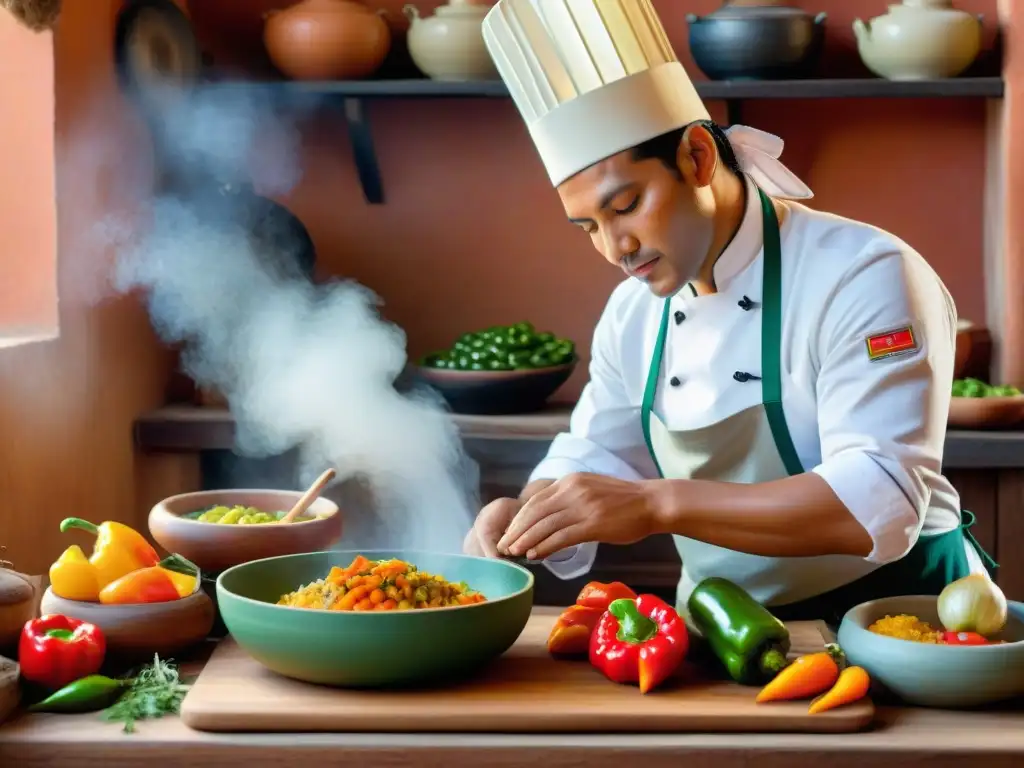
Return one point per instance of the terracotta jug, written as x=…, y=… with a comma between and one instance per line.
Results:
x=327, y=40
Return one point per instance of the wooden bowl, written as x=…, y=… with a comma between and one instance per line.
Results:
x=136, y=632
x=496, y=392
x=215, y=548
x=986, y=412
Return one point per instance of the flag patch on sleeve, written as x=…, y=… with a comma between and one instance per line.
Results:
x=898, y=341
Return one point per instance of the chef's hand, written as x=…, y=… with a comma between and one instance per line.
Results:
x=490, y=525
x=577, y=509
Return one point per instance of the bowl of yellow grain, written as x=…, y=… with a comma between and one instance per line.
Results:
x=901, y=643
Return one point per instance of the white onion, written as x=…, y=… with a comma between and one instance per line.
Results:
x=973, y=604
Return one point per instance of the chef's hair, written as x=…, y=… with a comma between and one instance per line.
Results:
x=665, y=147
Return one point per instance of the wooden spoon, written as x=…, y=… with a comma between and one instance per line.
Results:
x=308, y=497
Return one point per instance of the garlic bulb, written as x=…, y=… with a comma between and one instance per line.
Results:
x=973, y=604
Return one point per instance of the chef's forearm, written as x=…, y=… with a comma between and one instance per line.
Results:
x=797, y=516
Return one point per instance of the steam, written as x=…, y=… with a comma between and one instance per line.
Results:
x=305, y=367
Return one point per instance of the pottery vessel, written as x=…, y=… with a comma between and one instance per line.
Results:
x=450, y=45
x=215, y=548
x=743, y=41
x=136, y=632
x=10, y=687
x=17, y=605
x=327, y=40
x=919, y=40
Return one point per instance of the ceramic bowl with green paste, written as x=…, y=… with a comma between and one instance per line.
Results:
x=219, y=529
x=374, y=649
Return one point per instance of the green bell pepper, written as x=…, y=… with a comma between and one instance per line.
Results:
x=749, y=641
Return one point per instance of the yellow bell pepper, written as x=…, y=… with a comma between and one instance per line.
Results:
x=119, y=549
x=73, y=577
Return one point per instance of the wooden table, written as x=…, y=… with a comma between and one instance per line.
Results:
x=901, y=737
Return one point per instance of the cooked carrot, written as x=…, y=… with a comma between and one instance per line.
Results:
x=807, y=676
x=387, y=605
x=363, y=605
x=852, y=685
x=377, y=596
x=352, y=597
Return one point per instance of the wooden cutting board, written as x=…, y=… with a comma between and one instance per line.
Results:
x=525, y=691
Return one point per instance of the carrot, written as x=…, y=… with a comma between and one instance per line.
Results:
x=352, y=597
x=852, y=685
x=363, y=605
x=377, y=596
x=387, y=605
x=807, y=676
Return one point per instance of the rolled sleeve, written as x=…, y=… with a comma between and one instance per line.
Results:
x=882, y=422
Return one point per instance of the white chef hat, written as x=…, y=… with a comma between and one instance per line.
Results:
x=592, y=78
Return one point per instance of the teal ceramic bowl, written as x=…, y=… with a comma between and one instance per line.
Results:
x=945, y=676
x=374, y=650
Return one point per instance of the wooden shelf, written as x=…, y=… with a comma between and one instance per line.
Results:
x=188, y=428
x=352, y=95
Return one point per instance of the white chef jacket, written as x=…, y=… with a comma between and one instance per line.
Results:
x=874, y=430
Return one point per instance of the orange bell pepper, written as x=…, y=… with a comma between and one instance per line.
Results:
x=570, y=636
x=172, y=579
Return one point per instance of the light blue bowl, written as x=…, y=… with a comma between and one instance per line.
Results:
x=946, y=676
x=374, y=649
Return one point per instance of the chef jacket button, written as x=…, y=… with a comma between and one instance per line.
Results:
x=743, y=376
x=679, y=316
x=746, y=304
x=674, y=381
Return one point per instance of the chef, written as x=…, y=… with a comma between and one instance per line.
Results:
x=769, y=384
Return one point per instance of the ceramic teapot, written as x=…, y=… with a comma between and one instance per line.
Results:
x=327, y=40
x=450, y=45
x=919, y=40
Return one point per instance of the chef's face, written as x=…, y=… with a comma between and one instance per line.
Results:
x=652, y=217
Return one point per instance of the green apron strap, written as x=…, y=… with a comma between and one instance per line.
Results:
x=967, y=521
x=651, y=389
x=771, y=338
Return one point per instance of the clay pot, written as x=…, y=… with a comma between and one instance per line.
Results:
x=327, y=40
x=17, y=605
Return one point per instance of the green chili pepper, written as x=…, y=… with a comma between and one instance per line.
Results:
x=749, y=641
x=89, y=694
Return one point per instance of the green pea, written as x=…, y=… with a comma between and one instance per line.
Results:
x=544, y=338
x=462, y=362
x=540, y=360
x=496, y=364
x=524, y=328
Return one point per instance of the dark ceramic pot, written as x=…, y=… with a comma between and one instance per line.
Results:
x=496, y=392
x=756, y=42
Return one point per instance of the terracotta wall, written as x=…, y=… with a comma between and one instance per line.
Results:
x=67, y=406
x=471, y=233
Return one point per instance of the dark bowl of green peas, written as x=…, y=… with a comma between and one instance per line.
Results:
x=504, y=369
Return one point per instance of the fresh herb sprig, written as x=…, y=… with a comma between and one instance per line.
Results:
x=155, y=691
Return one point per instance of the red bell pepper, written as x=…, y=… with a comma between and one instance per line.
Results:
x=639, y=641
x=55, y=650
x=965, y=638
x=570, y=636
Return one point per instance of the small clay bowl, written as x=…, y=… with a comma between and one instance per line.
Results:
x=496, y=392
x=986, y=412
x=215, y=548
x=135, y=632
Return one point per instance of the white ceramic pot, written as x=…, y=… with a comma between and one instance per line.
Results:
x=919, y=40
x=450, y=45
